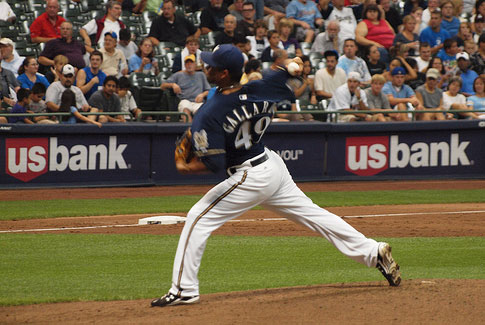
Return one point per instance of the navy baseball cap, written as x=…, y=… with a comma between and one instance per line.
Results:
x=398, y=70
x=225, y=56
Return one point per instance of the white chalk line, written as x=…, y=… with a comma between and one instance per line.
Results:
x=244, y=220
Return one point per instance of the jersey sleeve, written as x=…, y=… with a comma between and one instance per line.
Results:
x=272, y=88
x=208, y=141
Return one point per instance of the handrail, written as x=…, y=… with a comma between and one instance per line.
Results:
x=63, y=114
x=170, y=113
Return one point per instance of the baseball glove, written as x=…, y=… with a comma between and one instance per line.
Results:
x=183, y=148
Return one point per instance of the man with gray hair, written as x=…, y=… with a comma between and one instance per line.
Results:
x=99, y=27
x=329, y=40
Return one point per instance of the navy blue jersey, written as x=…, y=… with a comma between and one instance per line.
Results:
x=227, y=129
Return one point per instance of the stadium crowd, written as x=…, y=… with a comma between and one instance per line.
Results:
x=393, y=60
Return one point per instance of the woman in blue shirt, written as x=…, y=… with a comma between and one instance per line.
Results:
x=28, y=75
x=142, y=60
x=477, y=101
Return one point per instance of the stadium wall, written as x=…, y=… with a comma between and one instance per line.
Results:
x=141, y=154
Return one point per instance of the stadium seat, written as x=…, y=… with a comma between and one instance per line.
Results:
x=207, y=41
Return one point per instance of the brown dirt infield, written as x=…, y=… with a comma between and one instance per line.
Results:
x=415, y=301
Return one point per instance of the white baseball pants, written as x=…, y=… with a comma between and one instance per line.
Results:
x=270, y=185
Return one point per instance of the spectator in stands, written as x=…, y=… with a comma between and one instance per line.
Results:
x=329, y=39
x=106, y=100
x=328, y=79
x=448, y=53
x=424, y=56
x=409, y=5
x=431, y=97
x=23, y=100
x=127, y=100
x=449, y=21
x=464, y=34
x=11, y=60
x=245, y=26
x=54, y=72
x=376, y=99
x=275, y=9
x=9, y=85
x=125, y=44
x=400, y=95
x=344, y=15
x=191, y=47
x=55, y=90
x=303, y=88
x=252, y=71
x=143, y=60
x=374, y=63
x=393, y=16
x=47, y=26
x=243, y=44
x=227, y=36
x=66, y=45
x=408, y=36
x=68, y=105
x=306, y=17
x=437, y=64
x=477, y=101
x=98, y=28
x=28, y=74
x=350, y=62
x=190, y=86
x=465, y=73
x=90, y=78
x=455, y=101
x=432, y=6
x=349, y=96
x=374, y=30
x=6, y=13
x=470, y=47
x=417, y=14
x=171, y=26
x=236, y=9
x=478, y=59
x=37, y=104
x=400, y=62
x=434, y=34
x=260, y=40
x=478, y=27
x=212, y=17
x=274, y=44
x=290, y=44
x=420, y=77
x=114, y=61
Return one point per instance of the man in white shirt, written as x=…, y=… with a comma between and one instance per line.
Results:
x=424, y=56
x=328, y=79
x=344, y=15
x=349, y=96
x=99, y=27
x=6, y=12
x=329, y=40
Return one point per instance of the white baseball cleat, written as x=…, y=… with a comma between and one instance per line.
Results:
x=386, y=264
x=173, y=300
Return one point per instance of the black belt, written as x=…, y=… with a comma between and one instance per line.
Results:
x=254, y=163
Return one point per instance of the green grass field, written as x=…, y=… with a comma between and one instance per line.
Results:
x=34, y=209
x=38, y=268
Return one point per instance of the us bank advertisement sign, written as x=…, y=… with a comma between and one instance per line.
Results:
x=73, y=159
x=408, y=153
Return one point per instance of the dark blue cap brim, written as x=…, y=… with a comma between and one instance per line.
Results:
x=207, y=58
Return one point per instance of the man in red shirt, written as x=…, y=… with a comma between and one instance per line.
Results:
x=47, y=26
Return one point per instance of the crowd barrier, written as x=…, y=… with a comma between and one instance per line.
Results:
x=142, y=153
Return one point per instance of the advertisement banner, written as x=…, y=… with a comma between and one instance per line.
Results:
x=440, y=152
x=72, y=159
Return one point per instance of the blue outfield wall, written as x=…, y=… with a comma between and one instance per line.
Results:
x=142, y=154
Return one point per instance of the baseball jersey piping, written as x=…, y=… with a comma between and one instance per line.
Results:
x=213, y=204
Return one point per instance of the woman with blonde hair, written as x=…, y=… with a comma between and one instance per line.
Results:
x=407, y=36
x=54, y=72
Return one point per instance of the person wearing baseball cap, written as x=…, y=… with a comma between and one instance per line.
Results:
x=401, y=96
x=54, y=92
x=227, y=134
x=11, y=59
x=431, y=97
x=349, y=96
x=466, y=74
x=114, y=61
x=190, y=86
